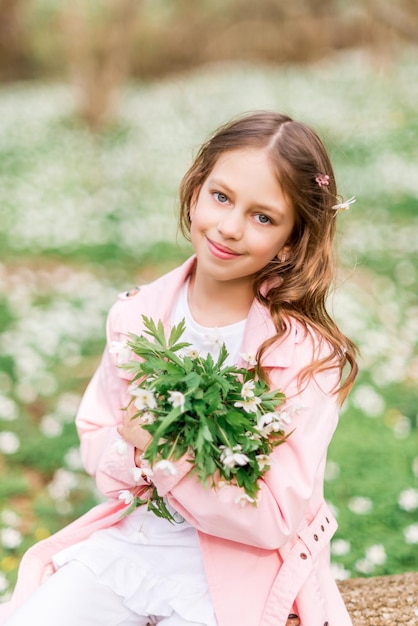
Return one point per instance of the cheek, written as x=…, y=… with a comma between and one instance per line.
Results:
x=267, y=247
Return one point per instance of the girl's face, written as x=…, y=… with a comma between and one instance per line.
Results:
x=240, y=219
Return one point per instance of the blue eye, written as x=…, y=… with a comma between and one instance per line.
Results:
x=262, y=219
x=220, y=197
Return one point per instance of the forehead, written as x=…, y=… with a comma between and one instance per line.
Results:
x=246, y=163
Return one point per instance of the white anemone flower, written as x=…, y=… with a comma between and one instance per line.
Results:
x=177, y=399
x=273, y=422
x=166, y=467
x=249, y=358
x=263, y=461
x=9, y=442
x=189, y=352
x=376, y=554
x=144, y=399
x=126, y=496
x=147, y=418
x=408, y=500
x=229, y=458
x=122, y=350
x=244, y=499
x=10, y=538
x=139, y=473
x=411, y=533
x=250, y=405
x=247, y=390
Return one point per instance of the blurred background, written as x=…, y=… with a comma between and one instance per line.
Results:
x=103, y=104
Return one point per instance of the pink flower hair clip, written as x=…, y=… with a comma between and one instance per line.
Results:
x=322, y=180
x=343, y=206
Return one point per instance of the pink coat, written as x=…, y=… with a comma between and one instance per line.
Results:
x=261, y=562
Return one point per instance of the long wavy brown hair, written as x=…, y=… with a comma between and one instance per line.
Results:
x=302, y=282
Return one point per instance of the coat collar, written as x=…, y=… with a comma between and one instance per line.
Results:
x=161, y=295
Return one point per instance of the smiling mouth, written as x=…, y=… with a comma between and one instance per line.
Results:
x=221, y=251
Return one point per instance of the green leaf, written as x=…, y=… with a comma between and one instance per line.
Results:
x=176, y=332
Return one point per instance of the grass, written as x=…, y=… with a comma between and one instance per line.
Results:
x=83, y=217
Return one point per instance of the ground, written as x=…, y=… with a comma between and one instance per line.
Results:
x=383, y=600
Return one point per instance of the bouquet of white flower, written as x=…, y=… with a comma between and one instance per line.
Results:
x=224, y=418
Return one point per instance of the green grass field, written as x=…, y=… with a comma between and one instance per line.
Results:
x=83, y=217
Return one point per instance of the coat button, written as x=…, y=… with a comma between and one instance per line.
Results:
x=303, y=556
x=316, y=537
x=322, y=528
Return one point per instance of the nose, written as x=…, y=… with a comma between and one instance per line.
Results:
x=231, y=225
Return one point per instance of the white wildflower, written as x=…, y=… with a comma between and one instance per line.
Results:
x=411, y=533
x=177, y=399
x=339, y=572
x=144, y=399
x=368, y=400
x=402, y=427
x=188, y=352
x=50, y=426
x=247, y=390
x=263, y=461
x=10, y=538
x=364, y=566
x=61, y=484
x=72, y=459
x=408, y=500
x=136, y=474
x=360, y=505
x=213, y=340
x=332, y=470
x=9, y=442
x=340, y=547
x=376, y=554
x=8, y=409
x=147, y=418
x=126, y=496
x=248, y=358
x=274, y=421
x=141, y=473
x=9, y=518
x=122, y=350
x=166, y=467
x=243, y=499
x=250, y=405
x=229, y=458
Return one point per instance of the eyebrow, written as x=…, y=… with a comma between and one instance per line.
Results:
x=263, y=207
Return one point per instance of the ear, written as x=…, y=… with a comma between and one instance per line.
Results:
x=284, y=253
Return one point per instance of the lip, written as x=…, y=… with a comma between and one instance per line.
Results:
x=220, y=251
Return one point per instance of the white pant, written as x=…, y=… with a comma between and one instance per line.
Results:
x=60, y=602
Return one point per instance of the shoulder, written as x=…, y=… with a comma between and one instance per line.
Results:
x=298, y=347
x=154, y=299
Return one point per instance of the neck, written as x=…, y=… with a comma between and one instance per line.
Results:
x=214, y=303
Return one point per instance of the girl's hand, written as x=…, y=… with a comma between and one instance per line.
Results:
x=132, y=431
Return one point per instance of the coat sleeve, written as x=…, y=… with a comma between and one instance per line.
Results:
x=289, y=490
x=293, y=483
x=106, y=455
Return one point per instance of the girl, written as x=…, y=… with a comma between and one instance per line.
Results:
x=259, y=206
